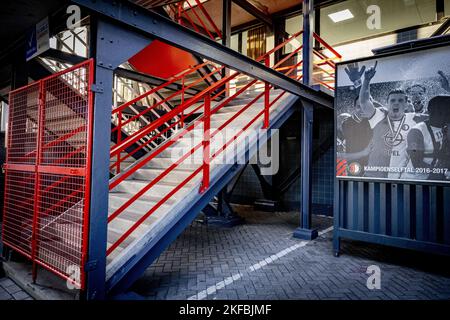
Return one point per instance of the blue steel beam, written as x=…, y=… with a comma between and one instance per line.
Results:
x=158, y=27
x=112, y=45
x=62, y=56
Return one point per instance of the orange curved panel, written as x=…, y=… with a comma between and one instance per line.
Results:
x=162, y=60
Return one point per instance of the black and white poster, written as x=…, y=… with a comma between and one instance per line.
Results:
x=393, y=117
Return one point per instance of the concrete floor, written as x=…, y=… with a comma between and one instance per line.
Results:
x=261, y=260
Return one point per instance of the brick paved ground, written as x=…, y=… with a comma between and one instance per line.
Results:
x=9, y=290
x=215, y=264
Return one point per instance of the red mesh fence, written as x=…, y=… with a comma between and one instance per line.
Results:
x=47, y=171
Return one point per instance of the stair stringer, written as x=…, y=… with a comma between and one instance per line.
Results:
x=131, y=264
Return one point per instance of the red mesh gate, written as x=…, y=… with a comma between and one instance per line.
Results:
x=47, y=171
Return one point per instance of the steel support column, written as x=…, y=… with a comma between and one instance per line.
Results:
x=279, y=32
x=305, y=231
x=223, y=214
x=308, y=41
x=226, y=23
x=226, y=35
x=112, y=45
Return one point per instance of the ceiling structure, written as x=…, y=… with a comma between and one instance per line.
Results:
x=149, y=4
x=19, y=16
x=240, y=16
x=396, y=15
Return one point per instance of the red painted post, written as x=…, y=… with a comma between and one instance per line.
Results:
x=206, y=142
x=182, y=102
x=180, y=8
x=266, y=96
x=119, y=139
x=39, y=142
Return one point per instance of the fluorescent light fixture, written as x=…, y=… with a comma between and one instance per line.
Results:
x=341, y=15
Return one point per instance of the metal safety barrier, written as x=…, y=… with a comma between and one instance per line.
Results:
x=200, y=104
x=47, y=172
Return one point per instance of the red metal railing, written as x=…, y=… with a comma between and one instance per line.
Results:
x=152, y=131
x=47, y=181
x=324, y=58
x=204, y=99
x=324, y=64
x=192, y=14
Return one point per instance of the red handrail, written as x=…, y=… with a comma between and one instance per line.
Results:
x=326, y=45
x=208, y=17
x=205, y=97
x=162, y=86
x=127, y=142
x=180, y=11
x=187, y=104
x=181, y=76
x=201, y=21
x=190, y=20
x=204, y=167
x=163, y=119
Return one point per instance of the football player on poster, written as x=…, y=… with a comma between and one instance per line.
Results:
x=390, y=127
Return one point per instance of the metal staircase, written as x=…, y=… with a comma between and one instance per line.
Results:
x=155, y=197
x=174, y=146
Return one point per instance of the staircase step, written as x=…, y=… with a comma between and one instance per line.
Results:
x=119, y=226
x=173, y=208
x=119, y=198
x=165, y=162
x=127, y=160
x=136, y=209
x=150, y=174
x=159, y=190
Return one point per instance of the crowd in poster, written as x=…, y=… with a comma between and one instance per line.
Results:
x=393, y=117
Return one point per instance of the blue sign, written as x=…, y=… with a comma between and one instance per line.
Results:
x=31, y=45
x=38, y=40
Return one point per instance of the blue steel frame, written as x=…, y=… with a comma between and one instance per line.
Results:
x=106, y=38
x=410, y=215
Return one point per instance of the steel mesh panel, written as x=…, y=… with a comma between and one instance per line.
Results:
x=23, y=125
x=60, y=223
x=65, y=118
x=47, y=171
x=19, y=210
x=62, y=194
x=20, y=185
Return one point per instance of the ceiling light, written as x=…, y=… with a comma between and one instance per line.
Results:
x=341, y=15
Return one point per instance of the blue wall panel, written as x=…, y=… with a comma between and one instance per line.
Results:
x=404, y=215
